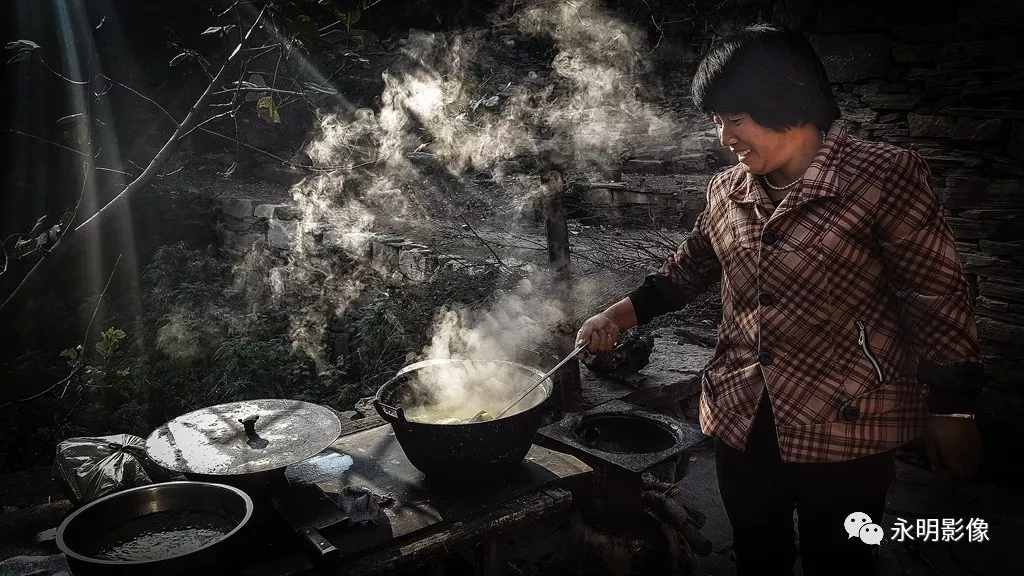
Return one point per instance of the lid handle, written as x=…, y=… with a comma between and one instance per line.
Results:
x=249, y=422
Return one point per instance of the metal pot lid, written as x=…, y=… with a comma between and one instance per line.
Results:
x=243, y=437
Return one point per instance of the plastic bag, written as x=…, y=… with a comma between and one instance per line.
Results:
x=90, y=468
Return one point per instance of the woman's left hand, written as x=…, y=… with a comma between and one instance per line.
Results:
x=955, y=444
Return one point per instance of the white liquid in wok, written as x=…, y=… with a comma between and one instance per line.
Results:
x=162, y=535
x=455, y=395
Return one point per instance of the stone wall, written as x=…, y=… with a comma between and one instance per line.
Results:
x=947, y=79
x=246, y=222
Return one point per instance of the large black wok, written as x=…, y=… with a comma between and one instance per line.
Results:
x=466, y=450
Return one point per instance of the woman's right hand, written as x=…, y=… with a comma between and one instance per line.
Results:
x=600, y=331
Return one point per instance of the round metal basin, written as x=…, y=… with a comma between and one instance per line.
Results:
x=168, y=528
x=624, y=434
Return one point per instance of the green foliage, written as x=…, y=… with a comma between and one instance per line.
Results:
x=398, y=323
x=199, y=347
x=103, y=370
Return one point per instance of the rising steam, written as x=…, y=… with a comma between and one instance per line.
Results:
x=589, y=104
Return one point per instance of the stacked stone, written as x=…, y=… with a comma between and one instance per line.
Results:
x=246, y=222
x=953, y=92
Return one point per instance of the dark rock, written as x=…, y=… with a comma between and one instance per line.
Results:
x=904, y=54
x=985, y=112
x=992, y=267
x=239, y=208
x=984, y=193
x=264, y=211
x=1012, y=312
x=631, y=353
x=931, y=126
x=896, y=73
x=278, y=173
x=858, y=114
x=48, y=536
x=853, y=57
x=979, y=130
x=692, y=163
x=1015, y=148
x=1001, y=290
x=964, y=228
x=969, y=54
x=283, y=234
x=365, y=406
x=1000, y=331
x=892, y=101
x=925, y=34
x=889, y=132
x=652, y=167
x=1013, y=249
x=284, y=212
x=891, y=117
x=869, y=88
x=993, y=214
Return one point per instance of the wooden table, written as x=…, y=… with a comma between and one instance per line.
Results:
x=424, y=524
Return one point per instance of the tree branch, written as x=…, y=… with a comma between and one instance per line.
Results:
x=141, y=181
x=260, y=89
x=484, y=242
x=66, y=381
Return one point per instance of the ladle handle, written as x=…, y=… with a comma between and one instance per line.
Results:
x=527, y=392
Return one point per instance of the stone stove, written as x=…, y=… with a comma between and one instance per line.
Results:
x=631, y=516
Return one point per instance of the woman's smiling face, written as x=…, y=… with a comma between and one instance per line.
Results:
x=760, y=150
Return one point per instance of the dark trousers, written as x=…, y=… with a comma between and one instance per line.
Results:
x=760, y=493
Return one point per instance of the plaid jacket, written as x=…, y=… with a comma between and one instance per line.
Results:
x=847, y=303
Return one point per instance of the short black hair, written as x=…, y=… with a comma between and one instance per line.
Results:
x=769, y=72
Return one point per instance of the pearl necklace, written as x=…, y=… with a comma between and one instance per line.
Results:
x=780, y=188
x=791, y=184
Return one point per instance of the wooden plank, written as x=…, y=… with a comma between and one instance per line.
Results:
x=371, y=420
x=379, y=464
x=443, y=538
x=491, y=555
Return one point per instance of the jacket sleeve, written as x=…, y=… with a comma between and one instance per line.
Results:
x=686, y=274
x=926, y=276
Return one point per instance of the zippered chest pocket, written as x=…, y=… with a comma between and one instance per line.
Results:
x=865, y=345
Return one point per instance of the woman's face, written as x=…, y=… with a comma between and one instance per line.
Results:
x=760, y=150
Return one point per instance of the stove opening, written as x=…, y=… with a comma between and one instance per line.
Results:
x=624, y=434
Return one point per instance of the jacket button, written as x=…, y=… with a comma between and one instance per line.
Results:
x=769, y=237
x=766, y=298
x=765, y=358
x=848, y=413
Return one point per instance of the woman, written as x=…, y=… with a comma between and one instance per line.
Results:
x=848, y=327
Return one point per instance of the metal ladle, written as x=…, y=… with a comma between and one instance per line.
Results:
x=481, y=416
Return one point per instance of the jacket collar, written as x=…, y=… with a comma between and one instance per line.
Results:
x=820, y=180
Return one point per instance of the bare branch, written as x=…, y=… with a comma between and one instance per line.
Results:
x=61, y=76
x=34, y=137
x=484, y=242
x=143, y=179
x=66, y=381
x=211, y=119
x=165, y=153
x=148, y=99
x=63, y=233
x=259, y=89
x=88, y=328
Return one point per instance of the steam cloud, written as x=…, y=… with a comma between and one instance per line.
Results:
x=594, y=114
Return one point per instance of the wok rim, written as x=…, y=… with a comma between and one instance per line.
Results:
x=63, y=546
x=387, y=388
